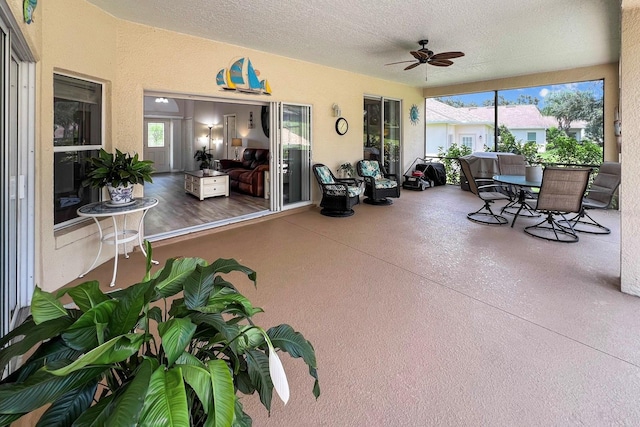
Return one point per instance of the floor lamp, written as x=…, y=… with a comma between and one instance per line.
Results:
x=236, y=142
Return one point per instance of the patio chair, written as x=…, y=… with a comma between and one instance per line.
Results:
x=488, y=193
x=339, y=195
x=378, y=183
x=515, y=164
x=561, y=193
x=599, y=196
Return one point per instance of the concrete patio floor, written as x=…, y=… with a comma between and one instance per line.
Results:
x=422, y=317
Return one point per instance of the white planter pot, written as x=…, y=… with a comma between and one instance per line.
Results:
x=533, y=173
x=120, y=194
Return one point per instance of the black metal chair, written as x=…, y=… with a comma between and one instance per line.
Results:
x=488, y=193
x=599, y=196
x=378, y=183
x=561, y=193
x=339, y=195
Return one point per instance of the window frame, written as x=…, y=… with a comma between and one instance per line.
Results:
x=78, y=148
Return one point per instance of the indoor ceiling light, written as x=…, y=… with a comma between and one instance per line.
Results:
x=162, y=100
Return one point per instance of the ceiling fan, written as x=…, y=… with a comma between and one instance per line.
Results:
x=426, y=56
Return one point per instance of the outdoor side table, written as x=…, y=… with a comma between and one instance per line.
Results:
x=99, y=210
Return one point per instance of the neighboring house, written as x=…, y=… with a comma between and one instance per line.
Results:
x=473, y=126
x=447, y=125
x=525, y=122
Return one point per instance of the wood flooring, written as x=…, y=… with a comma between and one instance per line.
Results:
x=178, y=210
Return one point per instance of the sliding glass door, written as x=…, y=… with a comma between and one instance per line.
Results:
x=291, y=155
x=17, y=106
x=382, y=132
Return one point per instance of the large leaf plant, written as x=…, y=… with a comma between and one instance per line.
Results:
x=173, y=350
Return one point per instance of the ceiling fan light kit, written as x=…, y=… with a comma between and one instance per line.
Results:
x=426, y=56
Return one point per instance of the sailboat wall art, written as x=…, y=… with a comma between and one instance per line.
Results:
x=241, y=76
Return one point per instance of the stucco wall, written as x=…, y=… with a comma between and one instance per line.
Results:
x=630, y=116
x=130, y=59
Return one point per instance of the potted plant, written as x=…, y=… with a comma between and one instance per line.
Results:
x=346, y=170
x=204, y=157
x=118, y=172
x=180, y=346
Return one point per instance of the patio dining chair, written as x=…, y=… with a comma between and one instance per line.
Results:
x=339, y=195
x=488, y=193
x=378, y=183
x=599, y=196
x=560, y=194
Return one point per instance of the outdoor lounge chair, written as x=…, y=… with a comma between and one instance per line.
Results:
x=339, y=195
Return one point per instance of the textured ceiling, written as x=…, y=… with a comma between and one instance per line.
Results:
x=500, y=38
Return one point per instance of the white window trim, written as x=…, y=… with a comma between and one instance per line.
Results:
x=61, y=149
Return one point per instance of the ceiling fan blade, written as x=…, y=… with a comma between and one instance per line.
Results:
x=440, y=63
x=446, y=55
x=414, y=65
x=419, y=55
x=401, y=62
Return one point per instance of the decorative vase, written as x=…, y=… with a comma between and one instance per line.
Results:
x=121, y=194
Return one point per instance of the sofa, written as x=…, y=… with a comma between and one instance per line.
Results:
x=247, y=175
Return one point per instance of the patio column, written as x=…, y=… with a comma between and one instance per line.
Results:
x=630, y=117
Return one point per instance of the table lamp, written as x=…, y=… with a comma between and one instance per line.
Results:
x=236, y=142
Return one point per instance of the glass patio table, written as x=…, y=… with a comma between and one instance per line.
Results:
x=521, y=182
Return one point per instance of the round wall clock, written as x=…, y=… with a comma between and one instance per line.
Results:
x=414, y=114
x=342, y=126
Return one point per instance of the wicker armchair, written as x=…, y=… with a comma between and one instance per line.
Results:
x=339, y=195
x=378, y=183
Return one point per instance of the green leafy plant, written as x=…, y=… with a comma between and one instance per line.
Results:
x=117, y=169
x=508, y=144
x=124, y=359
x=450, y=160
x=204, y=157
x=347, y=169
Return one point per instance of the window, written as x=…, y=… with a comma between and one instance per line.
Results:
x=77, y=136
x=155, y=135
x=467, y=141
x=565, y=121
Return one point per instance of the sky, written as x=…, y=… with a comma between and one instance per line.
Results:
x=540, y=92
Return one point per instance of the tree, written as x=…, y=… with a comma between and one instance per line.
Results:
x=457, y=103
x=508, y=144
x=595, y=128
x=570, y=106
x=564, y=149
x=521, y=100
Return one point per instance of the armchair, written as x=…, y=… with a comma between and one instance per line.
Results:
x=488, y=192
x=378, y=183
x=561, y=193
x=599, y=196
x=339, y=195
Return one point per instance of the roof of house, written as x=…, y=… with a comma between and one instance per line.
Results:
x=439, y=112
x=523, y=116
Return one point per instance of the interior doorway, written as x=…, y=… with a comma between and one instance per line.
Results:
x=190, y=124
